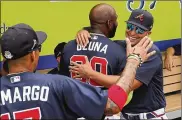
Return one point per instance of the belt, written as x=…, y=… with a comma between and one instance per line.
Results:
x=149, y=115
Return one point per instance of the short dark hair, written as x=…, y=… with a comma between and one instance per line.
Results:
x=58, y=51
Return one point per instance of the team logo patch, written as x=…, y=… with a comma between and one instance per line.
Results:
x=140, y=17
x=15, y=79
x=8, y=55
x=94, y=37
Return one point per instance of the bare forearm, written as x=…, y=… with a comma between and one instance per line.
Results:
x=125, y=82
x=109, y=80
x=111, y=108
x=128, y=75
x=105, y=80
x=170, y=52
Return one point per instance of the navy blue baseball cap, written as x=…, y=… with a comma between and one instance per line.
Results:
x=58, y=51
x=142, y=19
x=19, y=40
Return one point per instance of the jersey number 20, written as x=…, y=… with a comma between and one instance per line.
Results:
x=94, y=61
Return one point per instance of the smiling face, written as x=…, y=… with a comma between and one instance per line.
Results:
x=135, y=34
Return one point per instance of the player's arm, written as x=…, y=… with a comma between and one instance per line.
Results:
x=168, y=62
x=125, y=82
x=86, y=71
x=102, y=79
x=109, y=80
x=170, y=51
x=105, y=80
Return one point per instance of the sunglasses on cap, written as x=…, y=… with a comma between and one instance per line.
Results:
x=138, y=30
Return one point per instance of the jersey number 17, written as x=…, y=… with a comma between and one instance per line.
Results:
x=33, y=113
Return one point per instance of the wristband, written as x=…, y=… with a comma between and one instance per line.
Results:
x=117, y=95
x=137, y=57
x=133, y=57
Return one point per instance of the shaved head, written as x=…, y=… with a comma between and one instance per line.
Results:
x=101, y=13
x=103, y=20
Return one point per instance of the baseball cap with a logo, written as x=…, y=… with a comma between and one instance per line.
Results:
x=142, y=19
x=19, y=40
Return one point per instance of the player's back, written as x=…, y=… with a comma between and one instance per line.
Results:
x=30, y=95
x=104, y=55
x=47, y=96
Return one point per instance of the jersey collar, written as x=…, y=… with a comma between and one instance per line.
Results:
x=98, y=34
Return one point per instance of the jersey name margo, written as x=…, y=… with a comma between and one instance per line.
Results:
x=30, y=93
x=94, y=46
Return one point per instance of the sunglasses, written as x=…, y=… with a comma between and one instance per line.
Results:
x=138, y=30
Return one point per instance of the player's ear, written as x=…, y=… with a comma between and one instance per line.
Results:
x=58, y=59
x=149, y=32
x=108, y=23
x=33, y=56
x=34, y=59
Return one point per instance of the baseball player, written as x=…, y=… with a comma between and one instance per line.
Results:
x=58, y=53
x=148, y=99
x=28, y=95
x=105, y=56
